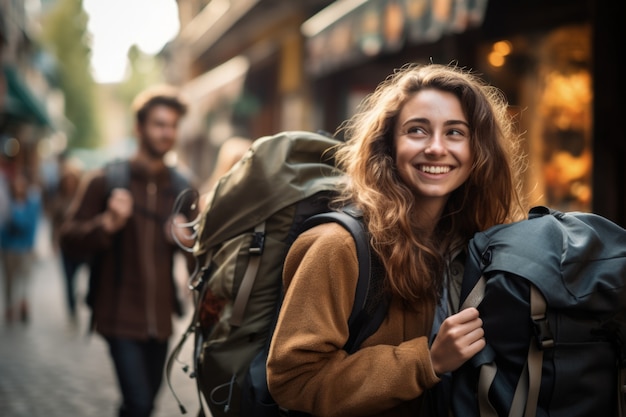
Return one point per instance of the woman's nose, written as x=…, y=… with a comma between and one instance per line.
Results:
x=435, y=146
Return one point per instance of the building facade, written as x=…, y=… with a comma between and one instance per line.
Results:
x=253, y=68
x=25, y=94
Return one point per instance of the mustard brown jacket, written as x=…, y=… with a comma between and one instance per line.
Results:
x=307, y=368
x=135, y=296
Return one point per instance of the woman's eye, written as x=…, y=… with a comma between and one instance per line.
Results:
x=457, y=132
x=415, y=130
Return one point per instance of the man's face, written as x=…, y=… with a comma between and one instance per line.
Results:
x=158, y=133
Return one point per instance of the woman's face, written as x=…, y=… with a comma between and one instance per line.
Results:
x=432, y=143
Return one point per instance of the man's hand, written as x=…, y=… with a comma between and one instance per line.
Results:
x=460, y=337
x=119, y=209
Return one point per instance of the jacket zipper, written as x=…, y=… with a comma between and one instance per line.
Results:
x=151, y=190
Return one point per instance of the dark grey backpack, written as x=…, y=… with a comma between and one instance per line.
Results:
x=551, y=291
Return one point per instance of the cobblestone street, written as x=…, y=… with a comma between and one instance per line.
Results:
x=51, y=367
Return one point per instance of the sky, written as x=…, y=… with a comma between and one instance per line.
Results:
x=115, y=25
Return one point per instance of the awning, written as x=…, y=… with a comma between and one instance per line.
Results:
x=212, y=23
x=20, y=102
x=217, y=88
x=352, y=31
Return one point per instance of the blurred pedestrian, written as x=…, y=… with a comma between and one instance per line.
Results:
x=229, y=154
x=4, y=197
x=17, y=241
x=69, y=179
x=128, y=234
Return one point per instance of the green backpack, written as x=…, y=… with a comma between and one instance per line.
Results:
x=282, y=186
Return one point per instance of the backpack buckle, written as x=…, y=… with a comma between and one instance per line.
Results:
x=543, y=334
x=258, y=243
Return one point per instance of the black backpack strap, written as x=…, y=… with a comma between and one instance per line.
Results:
x=370, y=304
x=116, y=175
x=374, y=311
x=369, y=311
x=179, y=181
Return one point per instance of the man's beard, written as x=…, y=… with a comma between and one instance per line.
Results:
x=153, y=151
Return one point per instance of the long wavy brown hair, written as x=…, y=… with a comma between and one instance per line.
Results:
x=492, y=194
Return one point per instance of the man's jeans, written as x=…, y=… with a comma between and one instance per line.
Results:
x=139, y=368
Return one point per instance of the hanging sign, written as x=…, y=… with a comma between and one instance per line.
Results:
x=378, y=27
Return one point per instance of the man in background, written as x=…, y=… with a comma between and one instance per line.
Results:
x=124, y=228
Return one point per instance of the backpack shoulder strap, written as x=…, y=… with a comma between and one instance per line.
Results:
x=117, y=174
x=370, y=305
x=179, y=181
x=252, y=268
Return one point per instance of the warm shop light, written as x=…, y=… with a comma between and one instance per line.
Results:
x=502, y=47
x=496, y=60
x=499, y=51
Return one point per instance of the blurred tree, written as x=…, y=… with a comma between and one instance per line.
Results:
x=64, y=32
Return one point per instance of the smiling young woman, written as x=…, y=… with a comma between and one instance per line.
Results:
x=430, y=161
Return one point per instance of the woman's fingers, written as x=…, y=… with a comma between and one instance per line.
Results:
x=460, y=337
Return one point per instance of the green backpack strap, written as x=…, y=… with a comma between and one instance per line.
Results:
x=243, y=295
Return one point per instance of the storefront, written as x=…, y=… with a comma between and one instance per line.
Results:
x=244, y=74
x=23, y=121
x=540, y=53
x=555, y=60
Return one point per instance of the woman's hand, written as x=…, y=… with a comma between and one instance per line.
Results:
x=460, y=337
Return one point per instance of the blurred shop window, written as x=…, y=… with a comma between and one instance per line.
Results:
x=547, y=77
